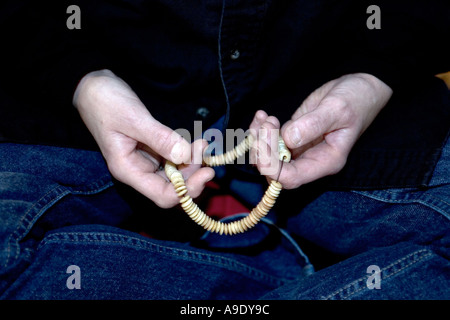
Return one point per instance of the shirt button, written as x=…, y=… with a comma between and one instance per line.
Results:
x=235, y=54
x=203, y=112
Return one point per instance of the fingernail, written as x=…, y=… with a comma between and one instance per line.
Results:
x=177, y=153
x=294, y=136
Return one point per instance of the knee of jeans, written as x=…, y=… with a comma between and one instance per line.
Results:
x=350, y=222
x=410, y=214
x=69, y=167
x=26, y=201
x=431, y=199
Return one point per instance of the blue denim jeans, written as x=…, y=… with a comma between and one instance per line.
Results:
x=63, y=236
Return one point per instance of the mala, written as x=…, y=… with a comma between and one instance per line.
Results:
x=239, y=226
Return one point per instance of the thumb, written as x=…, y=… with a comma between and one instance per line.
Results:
x=309, y=126
x=163, y=140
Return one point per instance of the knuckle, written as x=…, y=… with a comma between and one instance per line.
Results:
x=341, y=108
x=313, y=125
x=163, y=140
x=336, y=104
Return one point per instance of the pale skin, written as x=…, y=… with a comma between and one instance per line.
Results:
x=323, y=130
x=320, y=134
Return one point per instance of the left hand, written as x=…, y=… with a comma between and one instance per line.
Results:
x=322, y=131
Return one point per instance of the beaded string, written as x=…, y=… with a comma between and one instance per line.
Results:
x=234, y=227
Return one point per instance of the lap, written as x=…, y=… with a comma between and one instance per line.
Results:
x=350, y=222
x=44, y=188
x=102, y=262
x=396, y=272
x=59, y=208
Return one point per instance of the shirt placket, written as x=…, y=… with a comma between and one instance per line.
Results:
x=240, y=27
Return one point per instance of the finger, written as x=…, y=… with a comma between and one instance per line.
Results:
x=313, y=100
x=196, y=177
x=274, y=121
x=156, y=188
x=330, y=115
x=321, y=160
x=124, y=154
x=266, y=150
x=197, y=149
x=162, y=139
x=259, y=118
x=198, y=180
x=138, y=172
x=149, y=154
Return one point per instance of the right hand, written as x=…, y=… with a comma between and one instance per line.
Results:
x=133, y=143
